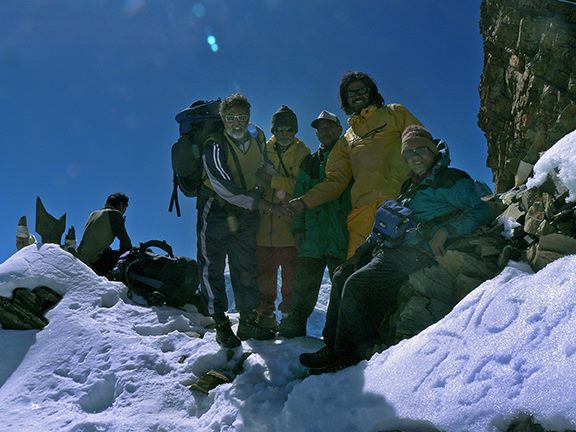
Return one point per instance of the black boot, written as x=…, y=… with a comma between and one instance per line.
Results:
x=319, y=359
x=292, y=326
x=224, y=334
x=337, y=365
x=248, y=328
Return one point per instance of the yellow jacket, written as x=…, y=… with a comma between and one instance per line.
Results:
x=369, y=154
x=275, y=231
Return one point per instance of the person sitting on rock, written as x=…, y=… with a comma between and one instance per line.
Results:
x=436, y=204
x=102, y=227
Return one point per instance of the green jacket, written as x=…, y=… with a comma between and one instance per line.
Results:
x=324, y=227
x=102, y=227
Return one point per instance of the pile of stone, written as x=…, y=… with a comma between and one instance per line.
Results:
x=542, y=224
x=26, y=309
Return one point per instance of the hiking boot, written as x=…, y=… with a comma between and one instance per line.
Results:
x=224, y=334
x=268, y=322
x=248, y=328
x=319, y=359
x=337, y=365
x=292, y=326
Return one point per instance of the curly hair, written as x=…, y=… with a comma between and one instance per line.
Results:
x=234, y=100
x=116, y=199
x=347, y=79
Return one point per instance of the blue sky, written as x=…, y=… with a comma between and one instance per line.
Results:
x=89, y=90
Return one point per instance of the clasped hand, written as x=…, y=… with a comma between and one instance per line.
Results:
x=262, y=177
x=275, y=209
x=295, y=206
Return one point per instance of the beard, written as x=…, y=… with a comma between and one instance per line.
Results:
x=235, y=133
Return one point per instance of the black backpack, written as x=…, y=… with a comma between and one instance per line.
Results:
x=160, y=279
x=187, y=164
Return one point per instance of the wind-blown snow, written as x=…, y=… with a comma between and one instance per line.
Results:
x=106, y=364
x=560, y=158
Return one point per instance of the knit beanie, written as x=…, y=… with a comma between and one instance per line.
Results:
x=284, y=117
x=418, y=136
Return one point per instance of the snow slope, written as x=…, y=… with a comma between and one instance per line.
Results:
x=107, y=364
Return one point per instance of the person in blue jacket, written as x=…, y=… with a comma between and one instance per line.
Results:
x=436, y=204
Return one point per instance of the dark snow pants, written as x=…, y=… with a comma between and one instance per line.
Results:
x=226, y=231
x=359, y=301
x=307, y=281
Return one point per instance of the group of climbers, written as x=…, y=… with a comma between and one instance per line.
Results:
x=266, y=206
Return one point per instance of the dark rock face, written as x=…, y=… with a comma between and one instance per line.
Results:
x=26, y=309
x=528, y=84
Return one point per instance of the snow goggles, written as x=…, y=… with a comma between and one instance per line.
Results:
x=418, y=151
x=230, y=118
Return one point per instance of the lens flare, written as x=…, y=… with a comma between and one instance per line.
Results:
x=199, y=10
x=212, y=42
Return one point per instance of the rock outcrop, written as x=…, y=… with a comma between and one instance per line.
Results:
x=540, y=222
x=528, y=85
x=26, y=309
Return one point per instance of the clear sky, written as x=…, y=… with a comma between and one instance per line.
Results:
x=89, y=90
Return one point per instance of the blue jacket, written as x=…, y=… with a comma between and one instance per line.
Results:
x=444, y=198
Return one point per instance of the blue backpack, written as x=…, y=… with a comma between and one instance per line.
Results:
x=392, y=222
x=187, y=165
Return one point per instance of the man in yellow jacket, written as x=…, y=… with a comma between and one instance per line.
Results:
x=368, y=154
x=275, y=244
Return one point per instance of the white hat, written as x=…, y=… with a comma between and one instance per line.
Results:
x=325, y=115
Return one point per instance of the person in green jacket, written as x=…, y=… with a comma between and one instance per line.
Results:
x=102, y=227
x=320, y=234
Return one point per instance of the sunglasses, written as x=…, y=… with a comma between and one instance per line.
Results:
x=360, y=92
x=418, y=151
x=283, y=129
x=241, y=118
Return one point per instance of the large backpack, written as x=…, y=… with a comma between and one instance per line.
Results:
x=160, y=279
x=187, y=165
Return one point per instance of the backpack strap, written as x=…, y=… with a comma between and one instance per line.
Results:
x=279, y=154
x=257, y=135
x=174, y=198
x=160, y=244
x=238, y=166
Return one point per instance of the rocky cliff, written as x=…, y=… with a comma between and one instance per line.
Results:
x=528, y=84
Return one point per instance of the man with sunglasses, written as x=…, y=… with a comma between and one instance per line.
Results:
x=228, y=204
x=369, y=155
x=443, y=204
